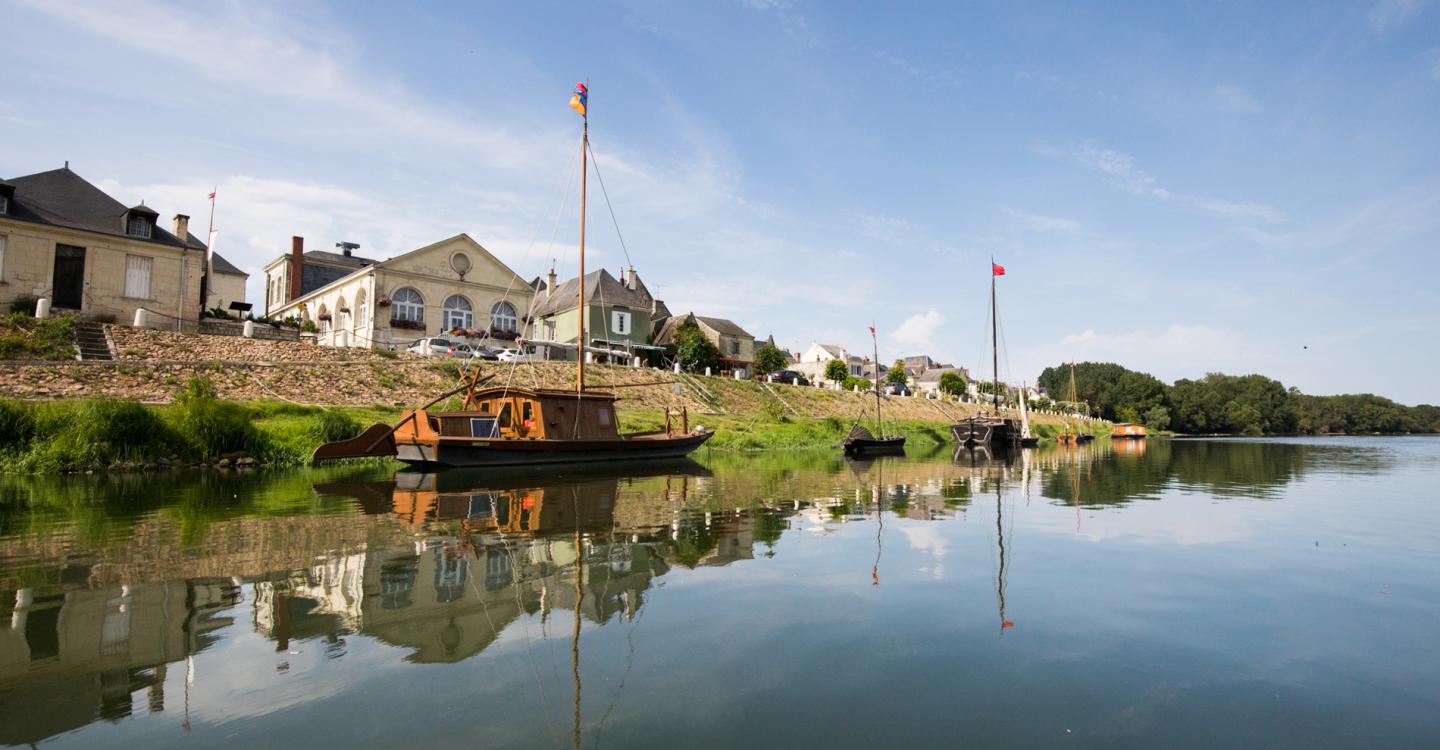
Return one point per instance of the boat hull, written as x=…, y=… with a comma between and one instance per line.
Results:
x=983, y=431
x=874, y=446
x=449, y=452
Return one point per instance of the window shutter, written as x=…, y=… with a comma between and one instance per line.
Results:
x=2, y=256
x=137, y=276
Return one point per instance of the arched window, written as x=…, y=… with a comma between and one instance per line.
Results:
x=458, y=313
x=407, y=304
x=342, y=315
x=503, y=318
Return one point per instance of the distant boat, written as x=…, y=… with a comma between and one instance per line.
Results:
x=1027, y=440
x=1069, y=437
x=993, y=431
x=507, y=426
x=1128, y=431
x=860, y=441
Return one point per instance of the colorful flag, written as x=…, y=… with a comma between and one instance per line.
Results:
x=996, y=269
x=872, y=329
x=212, y=196
x=580, y=98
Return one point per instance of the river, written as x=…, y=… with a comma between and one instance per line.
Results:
x=1261, y=593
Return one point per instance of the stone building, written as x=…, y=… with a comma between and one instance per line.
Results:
x=618, y=316
x=736, y=345
x=454, y=285
x=65, y=240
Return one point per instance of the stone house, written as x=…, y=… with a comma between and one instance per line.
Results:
x=620, y=316
x=225, y=285
x=65, y=240
x=736, y=345
x=928, y=382
x=453, y=287
x=814, y=360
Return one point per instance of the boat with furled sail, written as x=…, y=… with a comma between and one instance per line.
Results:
x=509, y=426
x=993, y=431
x=861, y=441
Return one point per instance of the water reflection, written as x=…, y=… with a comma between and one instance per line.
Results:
x=108, y=608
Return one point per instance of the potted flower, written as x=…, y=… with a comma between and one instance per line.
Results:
x=382, y=301
x=410, y=325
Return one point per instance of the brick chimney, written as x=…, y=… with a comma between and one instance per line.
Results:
x=182, y=227
x=297, y=266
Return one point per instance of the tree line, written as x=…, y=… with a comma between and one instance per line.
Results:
x=1230, y=404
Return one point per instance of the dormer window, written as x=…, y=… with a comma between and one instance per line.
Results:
x=139, y=227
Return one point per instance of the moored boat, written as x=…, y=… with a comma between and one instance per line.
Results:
x=860, y=441
x=1127, y=431
x=993, y=431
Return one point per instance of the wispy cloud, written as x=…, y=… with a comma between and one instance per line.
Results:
x=1232, y=98
x=1121, y=168
x=1041, y=223
x=1389, y=14
x=888, y=229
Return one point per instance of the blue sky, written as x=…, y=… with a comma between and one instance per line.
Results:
x=1178, y=187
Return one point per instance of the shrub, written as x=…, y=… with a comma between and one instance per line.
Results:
x=333, y=425
x=768, y=359
x=209, y=426
x=17, y=424
x=776, y=411
x=853, y=382
x=93, y=434
x=952, y=384
x=835, y=370
x=25, y=305
x=386, y=353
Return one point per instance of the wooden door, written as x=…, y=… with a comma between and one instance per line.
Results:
x=69, y=281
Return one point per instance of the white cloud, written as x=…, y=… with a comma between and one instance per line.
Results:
x=917, y=334
x=1389, y=14
x=1232, y=98
x=1121, y=167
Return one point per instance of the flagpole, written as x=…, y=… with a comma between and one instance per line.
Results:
x=209, y=249
x=875, y=342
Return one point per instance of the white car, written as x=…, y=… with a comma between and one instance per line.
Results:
x=433, y=347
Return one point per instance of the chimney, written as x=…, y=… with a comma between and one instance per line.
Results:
x=550, y=282
x=182, y=227
x=630, y=278
x=655, y=305
x=297, y=266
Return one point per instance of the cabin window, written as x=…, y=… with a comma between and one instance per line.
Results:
x=137, y=276
x=485, y=407
x=483, y=427
x=604, y=417
x=527, y=413
x=504, y=415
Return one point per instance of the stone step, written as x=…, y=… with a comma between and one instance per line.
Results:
x=90, y=339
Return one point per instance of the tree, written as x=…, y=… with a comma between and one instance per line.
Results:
x=692, y=349
x=835, y=370
x=897, y=374
x=1157, y=418
x=769, y=359
x=952, y=383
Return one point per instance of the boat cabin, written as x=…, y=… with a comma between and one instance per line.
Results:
x=1128, y=430
x=520, y=414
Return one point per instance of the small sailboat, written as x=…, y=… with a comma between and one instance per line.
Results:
x=1027, y=439
x=509, y=426
x=1078, y=435
x=994, y=431
x=860, y=441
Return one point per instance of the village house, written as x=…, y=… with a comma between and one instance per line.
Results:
x=735, y=344
x=790, y=357
x=813, y=361
x=64, y=240
x=453, y=287
x=928, y=382
x=619, y=317
x=226, y=284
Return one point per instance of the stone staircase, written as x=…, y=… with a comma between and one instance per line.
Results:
x=91, y=340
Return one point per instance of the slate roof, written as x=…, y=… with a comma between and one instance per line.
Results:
x=719, y=325
x=933, y=374
x=218, y=264
x=62, y=198
x=600, y=287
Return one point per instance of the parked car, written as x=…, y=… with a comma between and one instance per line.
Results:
x=432, y=346
x=789, y=377
x=897, y=389
x=511, y=355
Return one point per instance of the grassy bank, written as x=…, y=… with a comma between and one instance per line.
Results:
x=197, y=429
x=24, y=337
x=768, y=433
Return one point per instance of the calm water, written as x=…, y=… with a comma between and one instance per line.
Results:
x=1209, y=593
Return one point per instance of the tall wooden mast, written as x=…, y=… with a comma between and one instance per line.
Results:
x=994, y=343
x=580, y=309
x=879, y=429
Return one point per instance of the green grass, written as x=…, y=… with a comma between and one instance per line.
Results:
x=72, y=436
x=766, y=433
x=24, y=337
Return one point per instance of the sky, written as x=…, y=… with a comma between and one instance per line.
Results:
x=1179, y=187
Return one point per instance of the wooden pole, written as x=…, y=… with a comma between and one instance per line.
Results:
x=879, y=429
x=994, y=340
x=584, y=167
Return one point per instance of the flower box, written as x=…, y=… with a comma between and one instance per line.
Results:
x=409, y=325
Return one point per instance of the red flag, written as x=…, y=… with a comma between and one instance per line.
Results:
x=212, y=197
x=872, y=330
x=996, y=269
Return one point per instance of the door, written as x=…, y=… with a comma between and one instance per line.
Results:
x=69, y=281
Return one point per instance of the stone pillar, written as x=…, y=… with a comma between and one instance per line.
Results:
x=139, y=317
x=249, y=329
x=677, y=368
x=42, y=307
x=635, y=361
x=707, y=372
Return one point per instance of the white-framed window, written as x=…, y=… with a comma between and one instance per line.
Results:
x=407, y=304
x=458, y=313
x=137, y=276
x=139, y=227
x=503, y=317
x=619, y=322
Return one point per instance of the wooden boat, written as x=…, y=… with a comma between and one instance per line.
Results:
x=505, y=426
x=860, y=441
x=1128, y=431
x=1027, y=440
x=1077, y=436
x=992, y=431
